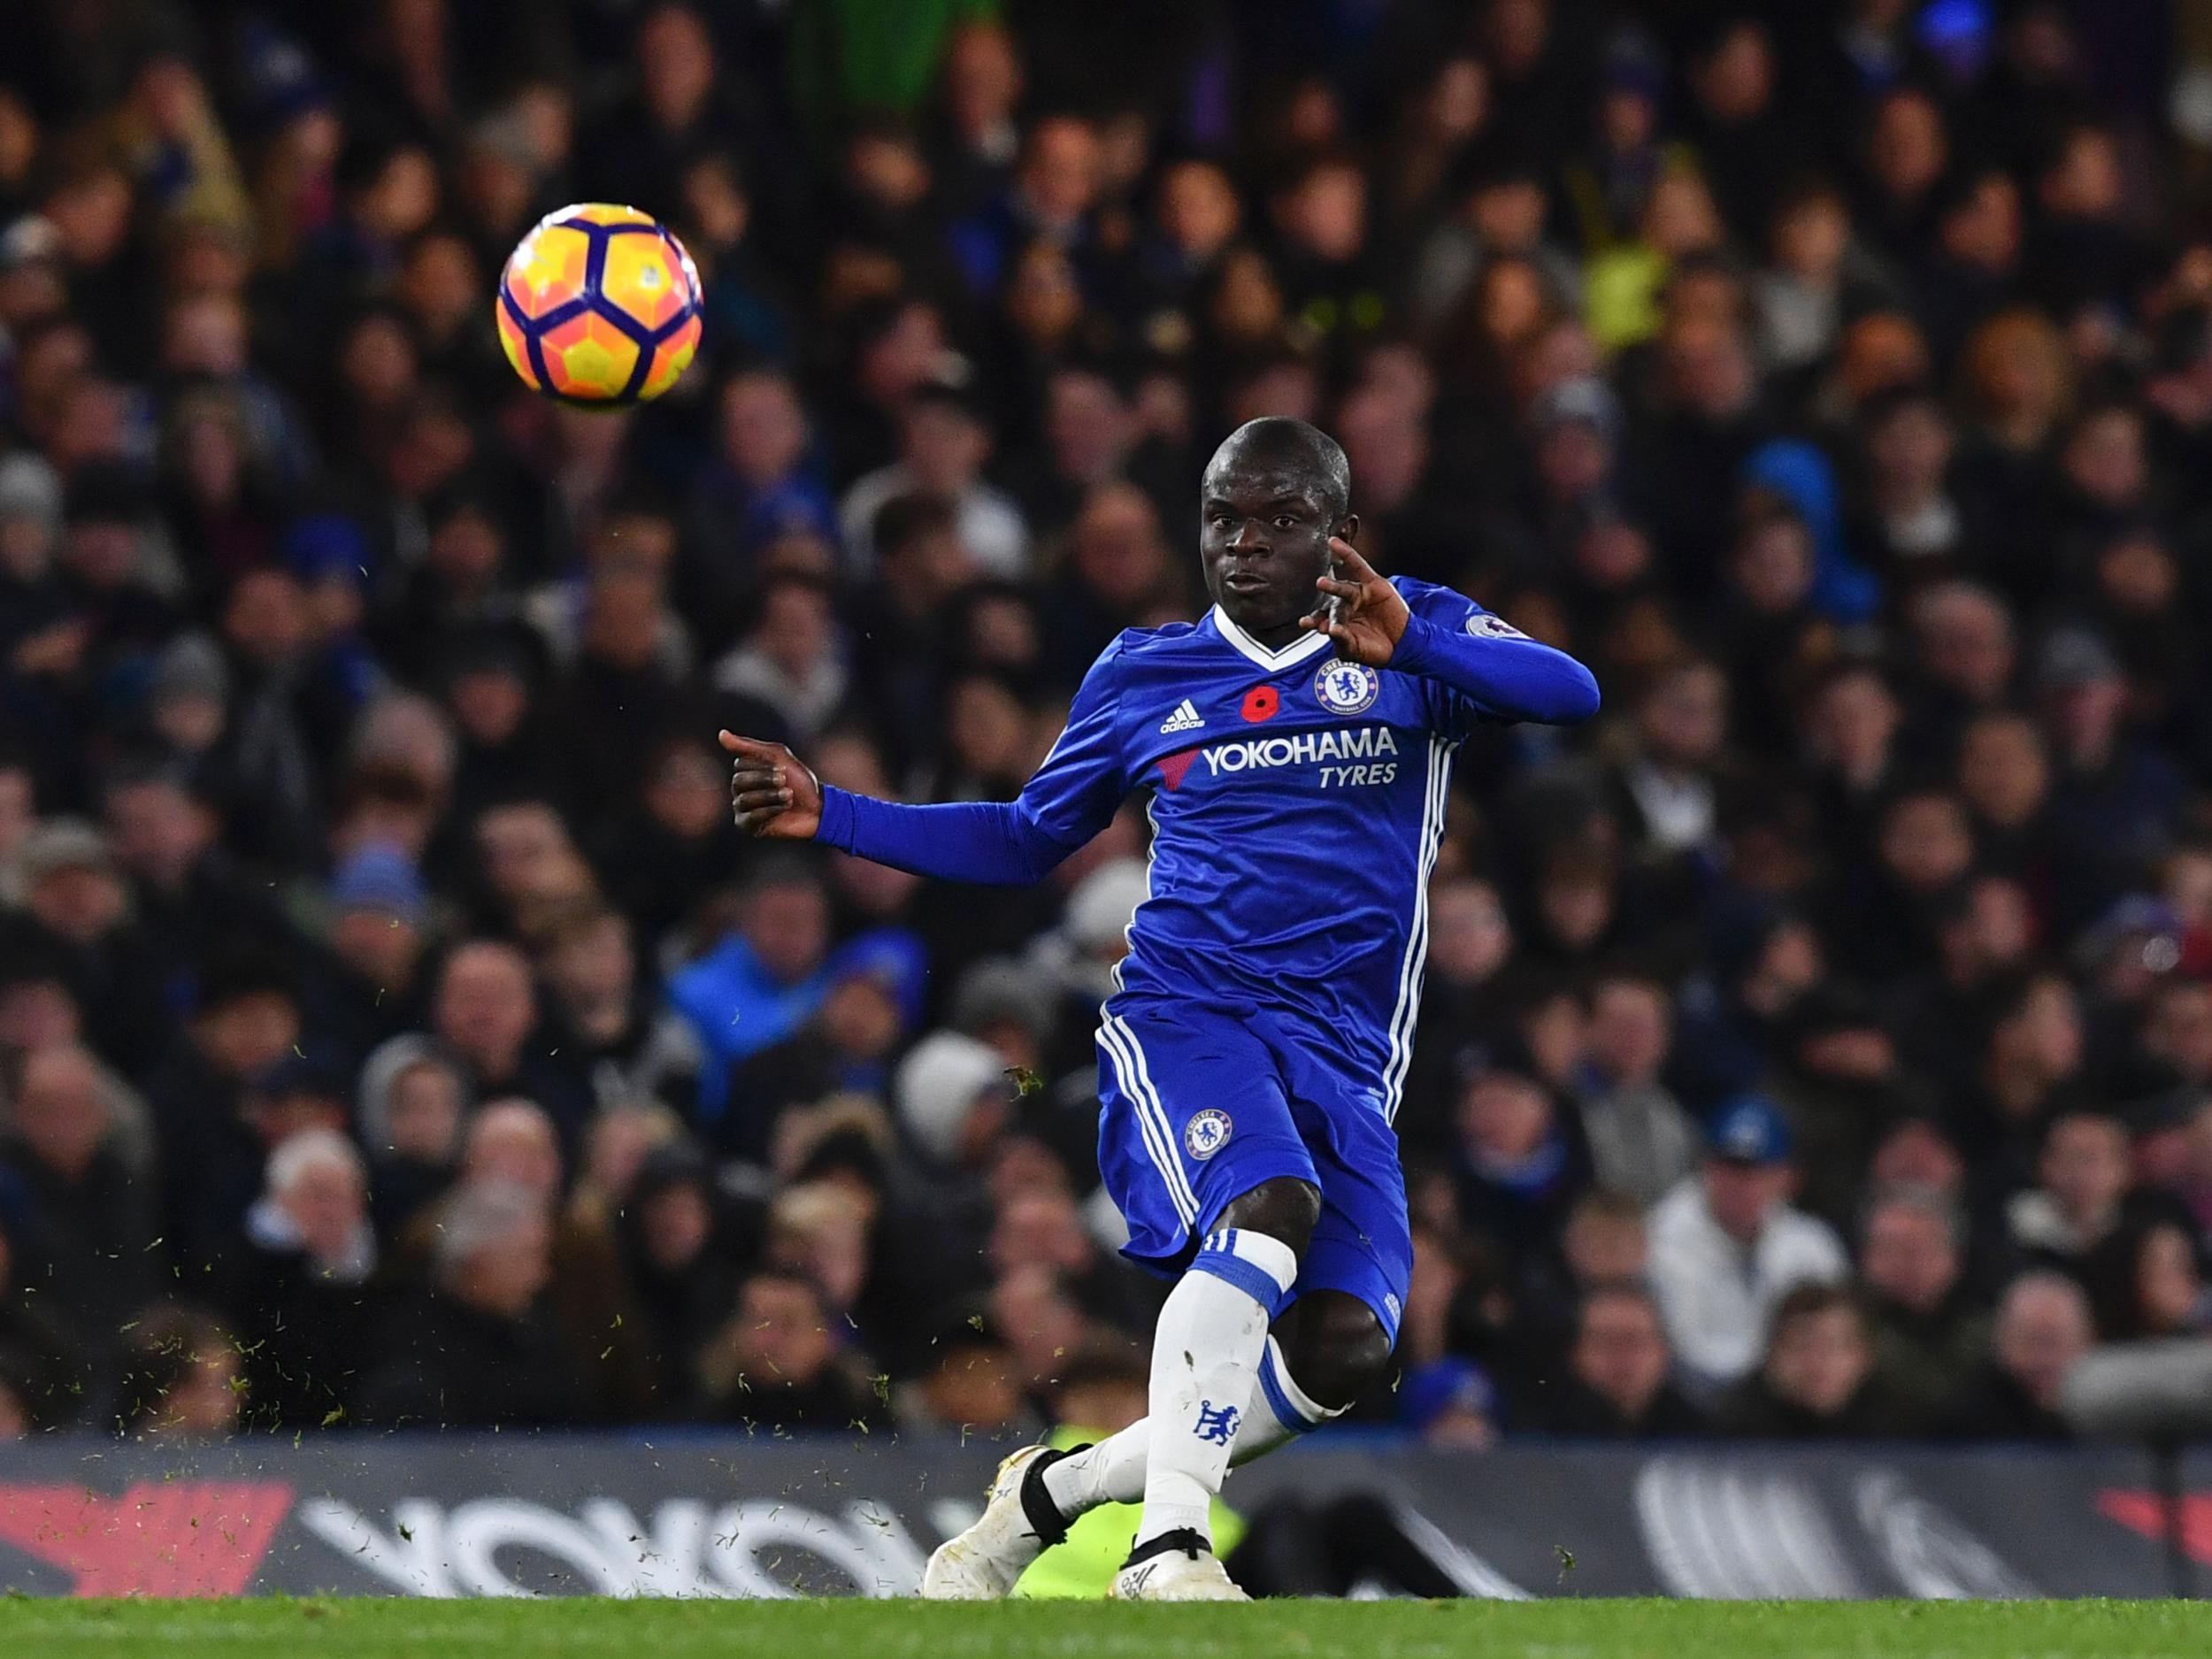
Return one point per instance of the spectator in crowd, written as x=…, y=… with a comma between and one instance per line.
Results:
x=182, y=1378
x=776, y=1365
x=476, y=1349
x=762, y=982
x=761, y=479
x=413, y=1099
x=2192, y=1184
x=1445, y=1394
x=951, y=1092
x=1470, y=940
x=1603, y=1243
x=75, y=904
x=1840, y=1083
x=793, y=661
x=2043, y=1329
x=1929, y=1330
x=1726, y=1247
x=847, y=1046
x=486, y=1012
x=945, y=440
x=512, y=1145
x=47, y=1374
x=1607, y=1241
x=680, y=1246
x=1521, y=1165
x=1618, y=1383
x=626, y=1042
x=87, y=1216
x=2076, y=1203
x=300, y=1303
x=247, y=1024
x=1818, y=1380
x=2147, y=1280
x=375, y=988
x=1641, y=1142
x=972, y=1385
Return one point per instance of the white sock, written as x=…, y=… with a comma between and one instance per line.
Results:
x=1205, y=1367
x=1281, y=1410
x=1112, y=1471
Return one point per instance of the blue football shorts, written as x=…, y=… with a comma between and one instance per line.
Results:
x=1198, y=1105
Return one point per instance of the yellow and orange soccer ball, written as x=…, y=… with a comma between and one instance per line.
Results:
x=599, y=306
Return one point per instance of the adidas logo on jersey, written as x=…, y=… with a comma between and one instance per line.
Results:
x=1184, y=719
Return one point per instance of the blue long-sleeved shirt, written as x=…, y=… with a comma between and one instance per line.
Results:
x=1297, y=804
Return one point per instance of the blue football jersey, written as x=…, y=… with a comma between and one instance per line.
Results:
x=1297, y=804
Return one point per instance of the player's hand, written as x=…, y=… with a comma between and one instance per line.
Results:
x=1370, y=614
x=771, y=792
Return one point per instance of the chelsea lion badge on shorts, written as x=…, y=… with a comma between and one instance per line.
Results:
x=1206, y=1133
x=1347, y=688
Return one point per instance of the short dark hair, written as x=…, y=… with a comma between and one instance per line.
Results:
x=1299, y=445
x=1606, y=1203
x=238, y=970
x=137, y=768
x=1921, y=1201
x=903, y=520
x=776, y=583
x=1620, y=1290
x=1811, y=1302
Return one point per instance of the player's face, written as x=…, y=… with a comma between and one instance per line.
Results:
x=1265, y=538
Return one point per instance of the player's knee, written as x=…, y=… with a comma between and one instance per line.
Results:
x=1284, y=1207
x=1338, y=1350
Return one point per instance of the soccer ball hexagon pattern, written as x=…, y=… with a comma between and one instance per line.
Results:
x=599, y=306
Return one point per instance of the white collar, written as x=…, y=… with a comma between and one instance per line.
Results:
x=1300, y=649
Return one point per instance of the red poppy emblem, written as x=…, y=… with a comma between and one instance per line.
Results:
x=1260, y=703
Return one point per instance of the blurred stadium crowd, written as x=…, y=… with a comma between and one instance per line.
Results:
x=393, y=1029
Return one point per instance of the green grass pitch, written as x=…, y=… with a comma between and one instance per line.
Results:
x=371, y=1629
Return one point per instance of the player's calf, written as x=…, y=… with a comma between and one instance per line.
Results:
x=1335, y=1346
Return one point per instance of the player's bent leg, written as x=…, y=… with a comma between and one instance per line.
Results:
x=1112, y=1471
x=1206, y=1355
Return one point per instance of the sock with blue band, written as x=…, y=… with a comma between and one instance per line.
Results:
x=1206, y=1355
x=1112, y=1471
x=1289, y=1410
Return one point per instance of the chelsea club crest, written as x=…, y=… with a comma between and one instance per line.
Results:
x=1206, y=1133
x=1346, y=688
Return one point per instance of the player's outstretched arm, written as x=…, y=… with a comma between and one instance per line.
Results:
x=1001, y=843
x=1511, y=675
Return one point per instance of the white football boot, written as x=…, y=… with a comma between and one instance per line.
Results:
x=1177, y=1566
x=1019, y=1523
